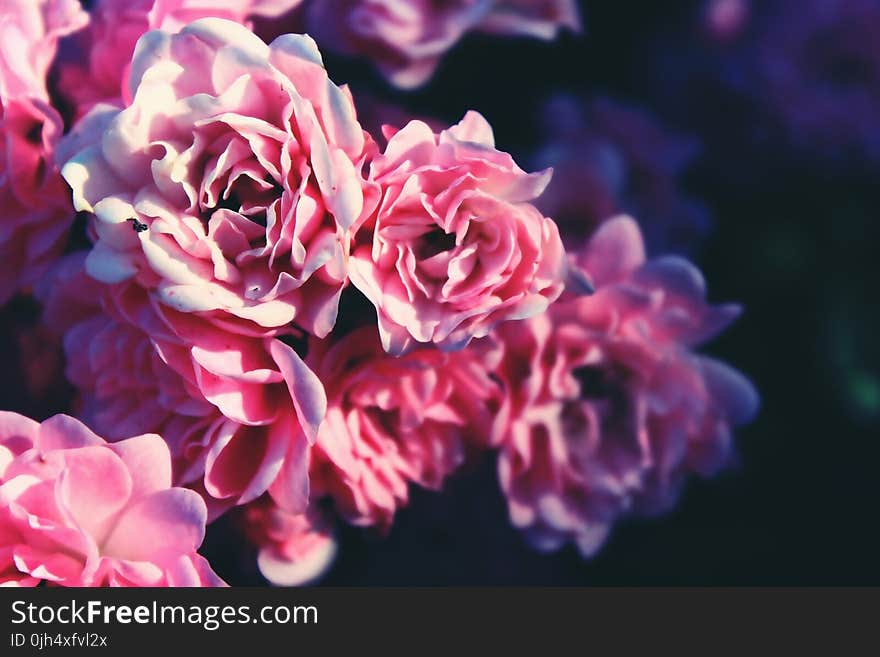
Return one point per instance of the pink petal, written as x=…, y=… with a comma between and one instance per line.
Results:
x=93, y=487
x=65, y=432
x=165, y=522
x=148, y=462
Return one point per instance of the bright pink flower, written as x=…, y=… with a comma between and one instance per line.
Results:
x=293, y=549
x=454, y=246
x=116, y=26
x=228, y=186
x=394, y=421
x=607, y=406
x=238, y=412
x=76, y=511
x=36, y=204
x=406, y=40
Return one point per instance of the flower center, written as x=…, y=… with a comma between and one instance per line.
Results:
x=595, y=382
x=433, y=242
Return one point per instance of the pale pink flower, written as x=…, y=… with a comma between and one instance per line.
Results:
x=238, y=412
x=454, y=246
x=607, y=408
x=37, y=212
x=228, y=187
x=293, y=549
x=105, y=50
x=392, y=422
x=407, y=40
x=76, y=511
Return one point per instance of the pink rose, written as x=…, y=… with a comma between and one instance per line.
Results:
x=36, y=204
x=607, y=407
x=394, y=421
x=454, y=247
x=293, y=549
x=238, y=412
x=228, y=187
x=407, y=40
x=76, y=511
x=116, y=26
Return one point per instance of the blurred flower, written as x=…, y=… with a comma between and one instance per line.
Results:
x=37, y=212
x=725, y=20
x=407, y=40
x=454, y=246
x=237, y=412
x=75, y=511
x=98, y=69
x=815, y=64
x=607, y=408
x=294, y=549
x=395, y=421
x=608, y=159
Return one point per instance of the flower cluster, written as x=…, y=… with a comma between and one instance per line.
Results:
x=283, y=316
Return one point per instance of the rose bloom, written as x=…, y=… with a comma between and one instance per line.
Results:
x=229, y=184
x=293, y=549
x=454, y=246
x=606, y=406
x=36, y=204
x=610, y=159
x=97, y=69
x=76, y=511
x=407, y=40
x=394, y=421
x=237, y=412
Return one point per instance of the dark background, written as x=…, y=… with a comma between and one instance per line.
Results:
x=796, y=240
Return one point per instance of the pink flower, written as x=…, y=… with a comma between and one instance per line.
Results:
x=228, y=187
x=36, y=204
x=454, y=247
x=238, y=412
x=394, y=421
x=406, y=40
x=294, y=549
x=76, y=511
x=117, y=25
x=607, y=407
